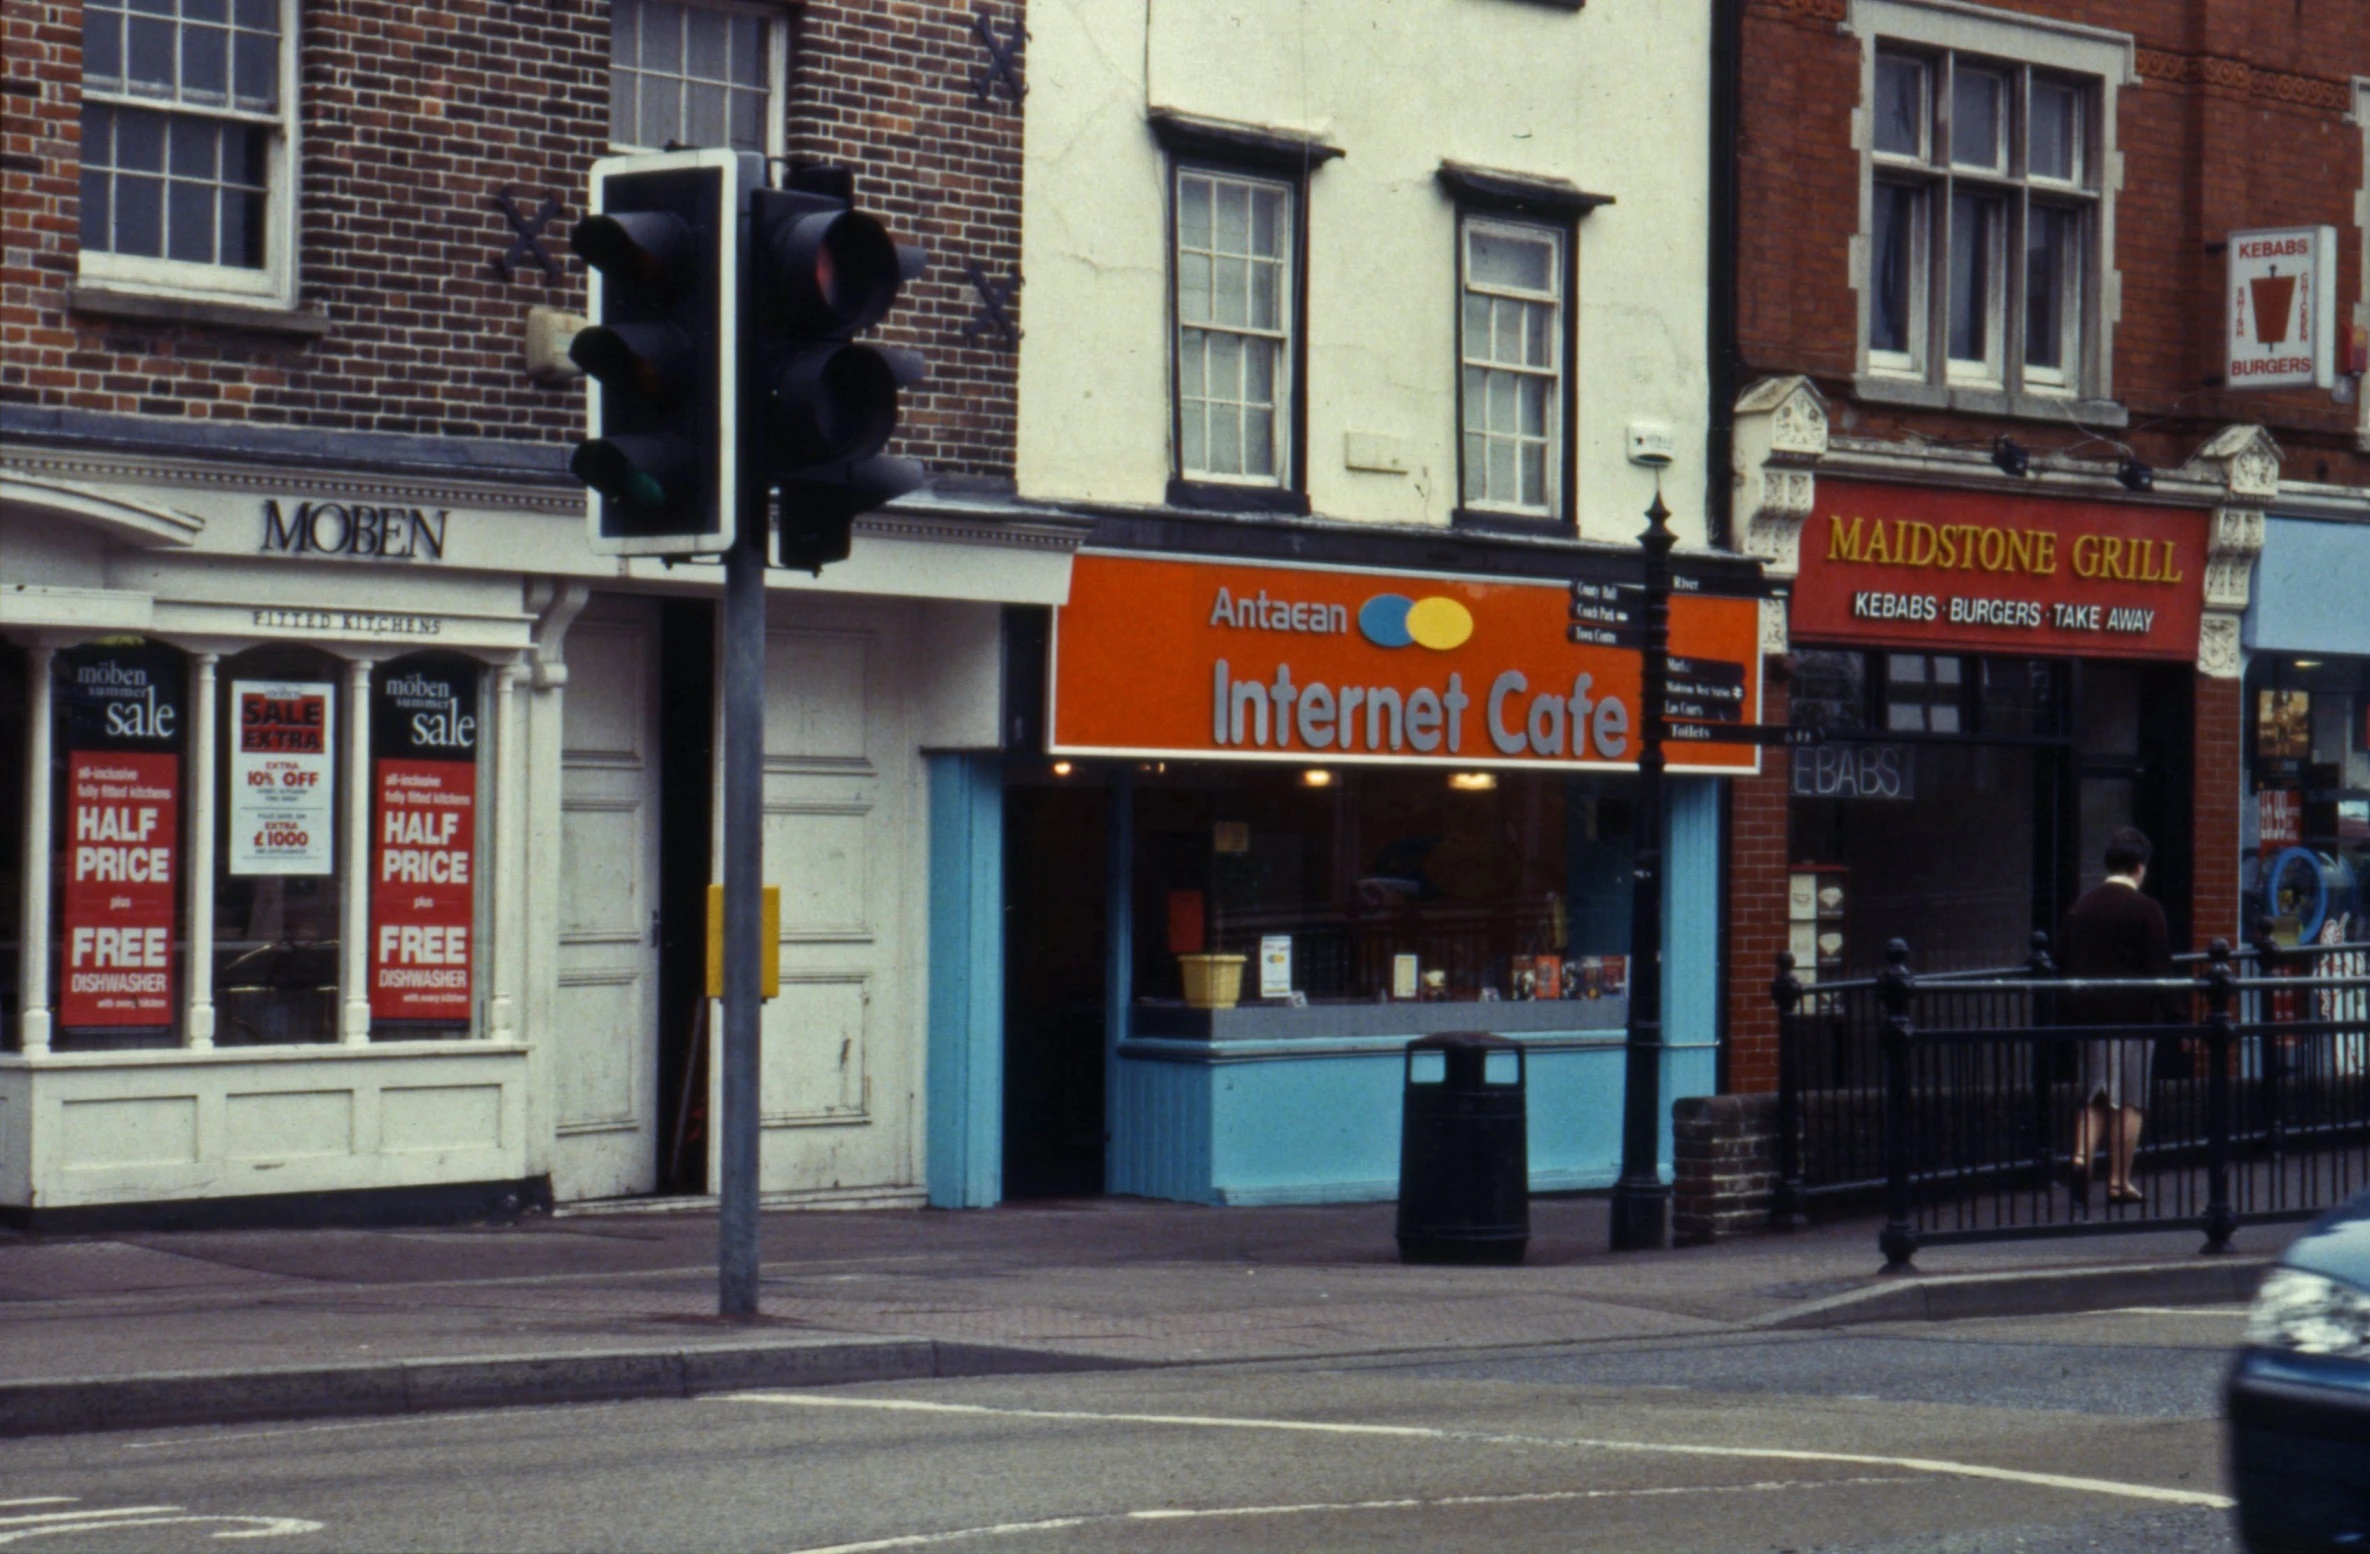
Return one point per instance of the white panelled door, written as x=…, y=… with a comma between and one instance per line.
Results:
x=845, y=839
x=604, y=1040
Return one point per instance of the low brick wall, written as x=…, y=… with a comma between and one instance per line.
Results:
x=1724, y=1153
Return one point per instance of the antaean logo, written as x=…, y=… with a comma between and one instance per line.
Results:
x=1396, y=621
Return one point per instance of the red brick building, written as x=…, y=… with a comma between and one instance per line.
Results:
x=1981, y=302
x=285, y=417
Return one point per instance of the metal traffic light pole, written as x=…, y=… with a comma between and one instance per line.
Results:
x=744, y=869
x=724, y=366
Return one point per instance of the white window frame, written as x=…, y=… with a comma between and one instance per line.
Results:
x=775, y=28
x=275, y=283
x=1284, y=336
x=2023, y=47
x=1559, y=237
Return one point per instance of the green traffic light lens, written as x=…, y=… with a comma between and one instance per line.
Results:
x=642, y=489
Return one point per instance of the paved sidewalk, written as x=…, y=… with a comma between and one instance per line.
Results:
x=156, y=1327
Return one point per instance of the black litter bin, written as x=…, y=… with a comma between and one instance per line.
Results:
x=1464, y=1151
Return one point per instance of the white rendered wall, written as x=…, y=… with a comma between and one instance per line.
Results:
x=1613, y=98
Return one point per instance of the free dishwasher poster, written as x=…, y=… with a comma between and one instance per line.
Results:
x=282, y=788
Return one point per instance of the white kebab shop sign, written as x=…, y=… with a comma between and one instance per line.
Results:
x=2282, y=307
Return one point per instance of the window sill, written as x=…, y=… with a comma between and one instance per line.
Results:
x=1968, y=399
x=1215, y=497
x=256, y=318
x=1485, y=521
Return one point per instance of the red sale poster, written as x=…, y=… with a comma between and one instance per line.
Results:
x=422, y=890
x=122, y=867
x=423, y=841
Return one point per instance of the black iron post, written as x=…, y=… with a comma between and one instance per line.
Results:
x=2221, y=996
x=1898, y=1240
x=1785, y=1205
x=1641, y=1203
x=2271, y=1084
x=2040, y=1014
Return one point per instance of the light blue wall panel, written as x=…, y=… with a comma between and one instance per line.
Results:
x=965, y=1065
x=2312, y=588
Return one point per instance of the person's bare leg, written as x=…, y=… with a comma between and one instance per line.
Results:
x=2089, y=1126
x=2125, y=1143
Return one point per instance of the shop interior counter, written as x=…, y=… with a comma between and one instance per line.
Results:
x=1401, y=1020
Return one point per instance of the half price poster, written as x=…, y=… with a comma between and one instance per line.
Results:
x=283, y=789
x=123, y=812
x=423, y=842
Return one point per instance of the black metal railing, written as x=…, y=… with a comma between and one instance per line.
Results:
x=1951, y=1101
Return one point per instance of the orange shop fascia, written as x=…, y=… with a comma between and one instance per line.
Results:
x=1185, y=658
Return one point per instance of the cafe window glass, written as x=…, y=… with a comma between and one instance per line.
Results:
x=426, y=882
x=15, y=736
x=1359, y=886
x=2305, y=830
x=279, y=860
x=119, y=779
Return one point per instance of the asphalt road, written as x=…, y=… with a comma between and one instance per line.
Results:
x=2082, y=1433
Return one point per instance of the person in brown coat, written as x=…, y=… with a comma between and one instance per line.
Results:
x=2115, y=931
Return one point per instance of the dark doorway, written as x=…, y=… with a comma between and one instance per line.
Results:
x=686, y=784
x=1054, y=830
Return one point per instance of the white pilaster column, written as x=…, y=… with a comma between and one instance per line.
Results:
x=197, y=855
x=508, y=906
x=354, y=917
x=33, y=963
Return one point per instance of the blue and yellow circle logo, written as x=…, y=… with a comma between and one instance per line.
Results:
x=1396, y=621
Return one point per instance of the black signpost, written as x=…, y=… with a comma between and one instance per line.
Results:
x=1690, y=701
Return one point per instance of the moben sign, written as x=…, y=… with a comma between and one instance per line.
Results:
x=354, y=529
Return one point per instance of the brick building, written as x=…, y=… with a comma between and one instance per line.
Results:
x=355, y=818
x=1982, y=299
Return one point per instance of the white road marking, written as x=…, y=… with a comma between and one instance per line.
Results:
x=923, y=1540
x=2095, y=1486
x=49, y=1524
x=2224, y=1312
x=100, y=1521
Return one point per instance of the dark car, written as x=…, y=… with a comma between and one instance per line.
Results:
x=2299, y=1397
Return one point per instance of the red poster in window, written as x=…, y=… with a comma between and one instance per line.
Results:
x=423, y=852
x=123, y=863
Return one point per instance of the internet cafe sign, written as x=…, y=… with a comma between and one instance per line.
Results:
x=1199, y=659
x=1912, y=566
x=2281, y=310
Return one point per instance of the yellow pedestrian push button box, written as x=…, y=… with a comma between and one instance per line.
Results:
x=769, y=939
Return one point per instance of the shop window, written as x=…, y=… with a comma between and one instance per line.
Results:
x=1930, y=812
x=15, y=735
x=2306, y=829
x=279, y=866
x=187, y=118
x=119, y=779
x=1989, y=211
x=693, y=75
x=426, y=883
x=1372, y=886
x=1830, y=690
x=1925, y=693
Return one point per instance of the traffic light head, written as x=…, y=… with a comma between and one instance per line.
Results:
x=663, y=350
x=825, y=405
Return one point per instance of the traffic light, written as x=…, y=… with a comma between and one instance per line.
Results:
x=822, y=405
x=663, y=350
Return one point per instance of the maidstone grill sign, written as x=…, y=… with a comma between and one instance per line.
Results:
x=1974, y=572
